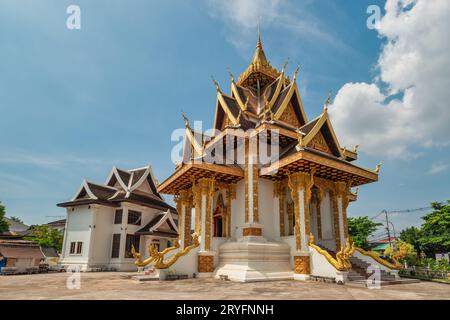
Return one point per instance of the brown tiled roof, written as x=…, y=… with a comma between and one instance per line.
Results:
x=137, y=174
x=146, y=229
x=124, y=175
x=101, y=192
x=281, y=98
x=269, y=91
x=232, y=105
x=309, y=126
x=149, y=201
x=22, y=249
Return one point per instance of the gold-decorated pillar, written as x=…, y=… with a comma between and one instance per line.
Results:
x=251, y=175
x=206, y=256
x=184, y=207
x=342, y=191
x=279, y=193
x=300, y=184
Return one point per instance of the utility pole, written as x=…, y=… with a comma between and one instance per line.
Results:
x=395, y=237
x=387, y=227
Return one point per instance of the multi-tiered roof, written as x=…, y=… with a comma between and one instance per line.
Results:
x=266, y=101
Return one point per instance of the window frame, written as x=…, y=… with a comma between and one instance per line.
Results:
x=137, y=214
x=116, y=215
x=113, y=248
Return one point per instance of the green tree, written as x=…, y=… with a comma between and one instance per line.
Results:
x=46, y=236
x=16, y=219
x=435, y=231
x=412, y=236
x=360, y=228
x=4, y=226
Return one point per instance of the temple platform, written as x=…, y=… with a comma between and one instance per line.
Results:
x=254, y=258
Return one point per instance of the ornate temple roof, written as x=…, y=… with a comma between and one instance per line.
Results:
x=136, y=186
x=265, y=100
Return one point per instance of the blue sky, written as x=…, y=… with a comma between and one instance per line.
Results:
x=73, y=103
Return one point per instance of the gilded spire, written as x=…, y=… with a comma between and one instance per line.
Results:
x=259, y=64
x=259, y=57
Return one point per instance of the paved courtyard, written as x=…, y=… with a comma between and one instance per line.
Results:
x=110, y=285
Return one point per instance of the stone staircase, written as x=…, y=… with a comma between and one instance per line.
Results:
x=358, y=275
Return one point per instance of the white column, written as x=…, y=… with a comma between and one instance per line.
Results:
x=303, y=236
x=341, y=220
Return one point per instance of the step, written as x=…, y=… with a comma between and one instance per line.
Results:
x=363, y=283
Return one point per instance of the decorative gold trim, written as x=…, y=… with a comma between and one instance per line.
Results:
x=323, y=119
x=319, y=160
x=226, y=109
x=395, y=266
x=157, y=258
x=342, y=261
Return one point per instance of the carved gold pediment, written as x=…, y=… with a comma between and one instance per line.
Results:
x=319, y=143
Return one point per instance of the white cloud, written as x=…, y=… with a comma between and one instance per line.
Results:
x=414, y=64
x=438, y=168
x=242, y=17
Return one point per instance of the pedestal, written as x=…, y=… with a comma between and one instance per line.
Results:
x=205, y=264
x=253, y=258
x=302, y=267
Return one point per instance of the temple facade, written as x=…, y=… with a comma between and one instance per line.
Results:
x=105, y=221
x=267, y=193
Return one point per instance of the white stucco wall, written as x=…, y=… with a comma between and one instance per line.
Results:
x=326, y=217
x=78, y=230
x=238, y=210
x=266, y=209
x=102, y=235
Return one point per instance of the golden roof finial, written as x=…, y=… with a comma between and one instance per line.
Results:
x=259, y=57
x=231, y=75
x=283, y=69
x=327, y=102
x=296, y=73
x=186, y=120
x=216, y=84
x=378, y=167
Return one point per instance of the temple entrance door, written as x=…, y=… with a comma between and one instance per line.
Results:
x=218, y=226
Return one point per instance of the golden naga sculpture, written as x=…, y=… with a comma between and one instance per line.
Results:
x=396, y=265
x=157, y=258
x=342, y=261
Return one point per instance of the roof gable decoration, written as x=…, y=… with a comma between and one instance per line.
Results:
x=131, y=184
x=114, y=174
x=147, y=174
x=84, y=187
x=166, y=218
x=317, y=136
x=281, y=106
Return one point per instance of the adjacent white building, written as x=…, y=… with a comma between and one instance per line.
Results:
x=105, y=220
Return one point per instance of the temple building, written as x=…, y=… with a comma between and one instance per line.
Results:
x=269, y=190
x=104, y=221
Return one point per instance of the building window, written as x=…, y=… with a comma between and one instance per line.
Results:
x=79, y=247
x=118, y=216
x=134, y=217
x=76, y=247
x=115, y=245
x=72, y=247
x=132, y=240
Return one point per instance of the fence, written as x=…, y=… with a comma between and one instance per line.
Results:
x=425, y=273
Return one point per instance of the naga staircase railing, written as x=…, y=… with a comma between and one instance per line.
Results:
x=157, y=258
x=342, y=260
x=395, y=265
